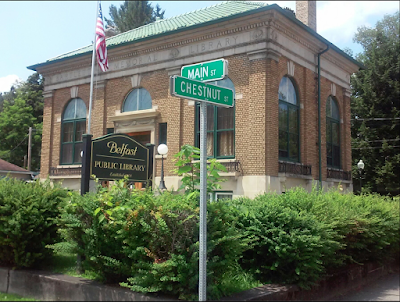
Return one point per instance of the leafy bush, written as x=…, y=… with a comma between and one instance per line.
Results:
x=300, y=235
x=188, y=166
x=290, y=246
x=28, y=221
x=367, y=225
x=150, y=242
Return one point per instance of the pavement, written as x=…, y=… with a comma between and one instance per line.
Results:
x=386, y=288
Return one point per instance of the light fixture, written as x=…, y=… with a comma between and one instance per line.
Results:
x=162, y=149
x=360, y=166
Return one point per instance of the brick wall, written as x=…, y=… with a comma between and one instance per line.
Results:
x=47, y=138
x=256, y=115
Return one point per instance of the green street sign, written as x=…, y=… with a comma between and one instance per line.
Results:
x=206, y=71
x=201, y=92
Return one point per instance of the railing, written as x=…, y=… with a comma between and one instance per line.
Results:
x=232, y=166
x=338, y=174
x=64, y=171
x=294, y=168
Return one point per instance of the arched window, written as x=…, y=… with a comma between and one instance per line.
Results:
x=332, y=133
x=137, y=99
x=289, y=130
x=72, y=127
x=220, y=126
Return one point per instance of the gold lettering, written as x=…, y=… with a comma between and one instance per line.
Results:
x=123, y=150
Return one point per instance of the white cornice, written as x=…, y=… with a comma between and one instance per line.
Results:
x=134, y=115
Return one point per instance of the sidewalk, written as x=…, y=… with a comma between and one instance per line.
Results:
x=386, y=288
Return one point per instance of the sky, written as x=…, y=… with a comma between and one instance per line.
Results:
x=35, y=31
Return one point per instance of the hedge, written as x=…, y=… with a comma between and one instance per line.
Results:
x=28, y=221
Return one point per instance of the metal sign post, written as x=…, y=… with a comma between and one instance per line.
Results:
x=189, y=87
x=203, y=203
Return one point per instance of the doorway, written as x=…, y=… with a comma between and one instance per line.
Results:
x=141, y=137
x=144, y=138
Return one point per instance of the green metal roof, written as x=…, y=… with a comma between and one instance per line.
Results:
x=205, y=16
x=163, y=26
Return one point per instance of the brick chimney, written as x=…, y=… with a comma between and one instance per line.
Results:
x=306, y=12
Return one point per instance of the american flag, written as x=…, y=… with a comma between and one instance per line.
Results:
x=101, y=49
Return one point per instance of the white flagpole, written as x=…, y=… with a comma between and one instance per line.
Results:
x=92, y=72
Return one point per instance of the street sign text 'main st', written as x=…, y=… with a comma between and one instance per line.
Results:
x=206, y=71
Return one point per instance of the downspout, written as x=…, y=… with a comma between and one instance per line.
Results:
x=319, y=119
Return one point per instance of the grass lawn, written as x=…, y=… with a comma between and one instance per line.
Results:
x=12, y=297
x=65, y=263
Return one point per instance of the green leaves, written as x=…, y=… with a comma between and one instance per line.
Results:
x=151, y=243
x=22, y=108
x=299, y=236
x=375, y=107
x=133, y=14
x=188, y=166
x=29, y=214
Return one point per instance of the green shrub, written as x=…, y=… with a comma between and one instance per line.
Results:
x=367, y=225
x=289, y=246
x=171, y=236
x=150, y=242
x=93, y=235
x=300, y=236
x=28, y=221
x=188, y=166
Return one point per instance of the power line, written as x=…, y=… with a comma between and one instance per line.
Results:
x=380, y=140
x=17, y=145
x=375, y=119
x=374, y=147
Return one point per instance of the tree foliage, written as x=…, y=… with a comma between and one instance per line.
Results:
x=133, y=14
x=375, y=106
x=22, y=108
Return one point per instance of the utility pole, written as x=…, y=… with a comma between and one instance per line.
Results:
x=29, y=149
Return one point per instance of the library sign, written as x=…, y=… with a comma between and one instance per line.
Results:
x=115, y=156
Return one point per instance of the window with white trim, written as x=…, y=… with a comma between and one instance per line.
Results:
x=219, y=195
x=137, y=99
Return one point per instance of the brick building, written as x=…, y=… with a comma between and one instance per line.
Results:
x=268, y=141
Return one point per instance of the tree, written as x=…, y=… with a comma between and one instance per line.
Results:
x=375, y=106
x=133, y=14
x=32, y=92
x=7, y=96
x=22, y=108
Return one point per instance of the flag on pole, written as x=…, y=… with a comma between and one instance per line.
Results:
x=101, y=48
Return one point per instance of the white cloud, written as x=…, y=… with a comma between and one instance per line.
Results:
x=337, y=21
x=7, y=81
